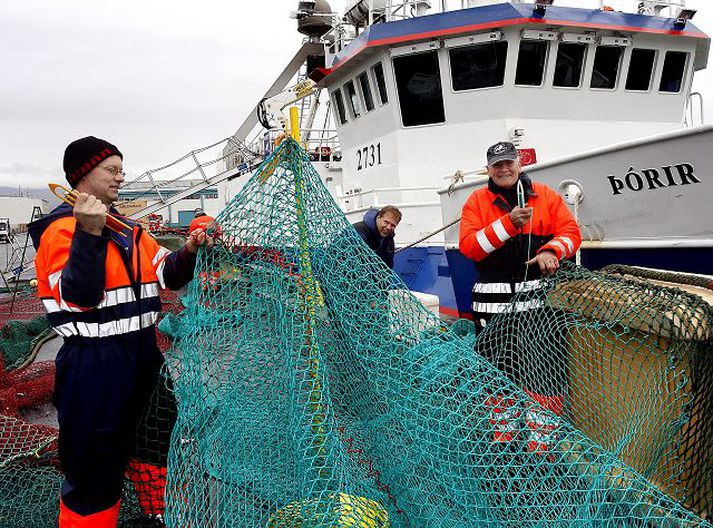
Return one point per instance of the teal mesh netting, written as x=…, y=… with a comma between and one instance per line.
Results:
x=314, y=391
x=307, y=388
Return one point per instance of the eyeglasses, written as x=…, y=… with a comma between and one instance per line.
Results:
x=114, y=171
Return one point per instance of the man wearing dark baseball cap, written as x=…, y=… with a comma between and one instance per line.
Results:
x=518, y=231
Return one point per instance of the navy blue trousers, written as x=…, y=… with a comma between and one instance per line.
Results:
x=102, y=387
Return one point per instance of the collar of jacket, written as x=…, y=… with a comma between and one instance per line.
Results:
x=38, y=227
x=506, y=199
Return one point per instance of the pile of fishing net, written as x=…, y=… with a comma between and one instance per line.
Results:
x=30, y=475
x=305, y=387
x=21, y=339
x=24, y=383
x=18, y=300
x=314, y=391
x=29, y=469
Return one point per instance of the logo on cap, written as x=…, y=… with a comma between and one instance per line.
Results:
x=501, y=151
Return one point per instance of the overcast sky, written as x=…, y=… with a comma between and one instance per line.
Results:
x=157, y=77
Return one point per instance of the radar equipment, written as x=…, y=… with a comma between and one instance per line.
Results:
x=314, y=18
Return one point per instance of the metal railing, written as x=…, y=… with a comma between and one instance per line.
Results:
x=402, y=9
x=207, y=166
x=322, y=142
x=658, y=7
x=691, y=117
x=198, y=166
x=355, y=200
x=345, y=30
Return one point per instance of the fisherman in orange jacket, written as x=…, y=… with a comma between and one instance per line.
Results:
x=514, y=245
x=100, y=290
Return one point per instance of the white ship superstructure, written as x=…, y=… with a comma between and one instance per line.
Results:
x=419, y=100
x=417, y=90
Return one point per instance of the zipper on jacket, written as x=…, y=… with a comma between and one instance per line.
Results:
x=135, y=279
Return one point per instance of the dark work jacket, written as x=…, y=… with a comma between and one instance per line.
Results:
x=382, y=246
x=101, y=294
x=508, y=262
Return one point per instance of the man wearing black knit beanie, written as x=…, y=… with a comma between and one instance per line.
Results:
x=100, y=289
x=82, y=155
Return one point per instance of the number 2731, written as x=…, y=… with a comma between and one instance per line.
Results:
x=369, y=156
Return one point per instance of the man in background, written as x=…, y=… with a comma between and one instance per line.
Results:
x=378, y=229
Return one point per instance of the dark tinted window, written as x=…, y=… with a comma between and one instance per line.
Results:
x=674, y=67
x=570, y=63
x=606, y=67
x=381, y=83
x=418, y=82
x=366, y=91
x=641, y=67
x=339, y=102
x=478, y=66
x=353, y=99
x=531, y=62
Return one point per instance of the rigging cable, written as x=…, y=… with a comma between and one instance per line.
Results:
x=454, y=222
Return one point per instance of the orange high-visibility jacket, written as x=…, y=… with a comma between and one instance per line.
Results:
x=500, y=250
x=112, y=285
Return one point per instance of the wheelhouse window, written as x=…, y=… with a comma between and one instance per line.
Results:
x=378, y=70
x=418, y=83
x=531, y=61
x=366, y=91
x=478, y=66
x=353, y=99
x=606, y=67
x=339, y=104
x=674, y=67
x=641, y=67
x=569, y=65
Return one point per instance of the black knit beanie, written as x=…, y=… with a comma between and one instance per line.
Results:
x=82, y=155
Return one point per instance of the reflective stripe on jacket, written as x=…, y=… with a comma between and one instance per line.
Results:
x=102, y=286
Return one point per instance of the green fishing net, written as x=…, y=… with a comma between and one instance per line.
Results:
x=306, y=387
x=18, y=340
x=314, y=391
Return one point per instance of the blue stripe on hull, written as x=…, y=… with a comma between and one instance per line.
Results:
x=463, y=275
x=425, y=269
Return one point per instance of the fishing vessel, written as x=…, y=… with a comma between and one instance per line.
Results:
x=398, y=101
x=598, y=102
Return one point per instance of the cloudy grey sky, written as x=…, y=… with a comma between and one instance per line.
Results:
x=158, y=77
